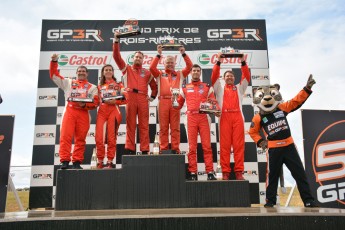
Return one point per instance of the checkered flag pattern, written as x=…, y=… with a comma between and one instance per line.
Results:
x=51, y=102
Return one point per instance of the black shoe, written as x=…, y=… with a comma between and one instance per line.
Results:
x=210, y=176
x=269, y=205
x=169, y=151
x=129, y=152
x=64, y=165
x=109, y=165
x=76, y=165
x=310, y=204
x=192, y=177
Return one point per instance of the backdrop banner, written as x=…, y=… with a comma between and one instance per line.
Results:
x=324, y=154
x=89, y=43
x=6, y=137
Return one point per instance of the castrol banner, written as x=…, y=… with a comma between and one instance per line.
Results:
x=206, y=59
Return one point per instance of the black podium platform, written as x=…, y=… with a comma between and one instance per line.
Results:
x=145, y=181
x=182, y=218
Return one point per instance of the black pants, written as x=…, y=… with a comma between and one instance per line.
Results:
x=287, y=155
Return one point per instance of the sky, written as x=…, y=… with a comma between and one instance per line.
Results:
x=304, y=37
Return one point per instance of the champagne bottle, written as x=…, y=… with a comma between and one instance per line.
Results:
x=219, y=174
x=94, y=159
x=156, y=146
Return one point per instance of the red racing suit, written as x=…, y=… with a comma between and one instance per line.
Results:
x=76, y=119
x=136, y=81
x=110, y=114
x=231, y=123
x=281, y=147
x=194, y=93
x=167, y=114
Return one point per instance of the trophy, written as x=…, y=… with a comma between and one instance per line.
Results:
x=175, y=93
x=78, y=99
x=129, y=29
x=112, y=94
x=230, y=52
x=209, y=107
x=169, y=43
x=79, y=96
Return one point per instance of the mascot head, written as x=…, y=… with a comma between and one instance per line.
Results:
x=267, y=98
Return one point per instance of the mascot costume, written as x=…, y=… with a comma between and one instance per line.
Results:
x=281, y=147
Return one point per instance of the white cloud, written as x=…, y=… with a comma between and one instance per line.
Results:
x=19, y=56
x=20, y=176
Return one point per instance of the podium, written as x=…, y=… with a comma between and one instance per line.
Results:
x=145, y=181
x=150, y=192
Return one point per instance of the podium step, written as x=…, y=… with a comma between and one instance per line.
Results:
x=146, y=181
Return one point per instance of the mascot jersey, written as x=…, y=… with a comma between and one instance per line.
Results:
x=275, y=124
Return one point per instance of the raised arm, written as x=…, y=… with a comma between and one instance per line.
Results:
x=54, y=74
x=215, y=73
x=186, y=70
x=216, y=70
x=296, y=102
x=116, y=53
x=245, y=71
x=153, y=67
x=245, y=78
x=53, y=68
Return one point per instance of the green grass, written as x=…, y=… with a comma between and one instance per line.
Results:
x=11, y=203
x=296, y=200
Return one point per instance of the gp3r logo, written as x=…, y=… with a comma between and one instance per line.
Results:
x=75, y=34
x=234, y=34
x=328, y=161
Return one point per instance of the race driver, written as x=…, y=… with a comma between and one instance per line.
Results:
x=76, y=119
x=111, y=96
x=169, y=79
x=231, y=122
x=136, y=80
x=195, y=93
